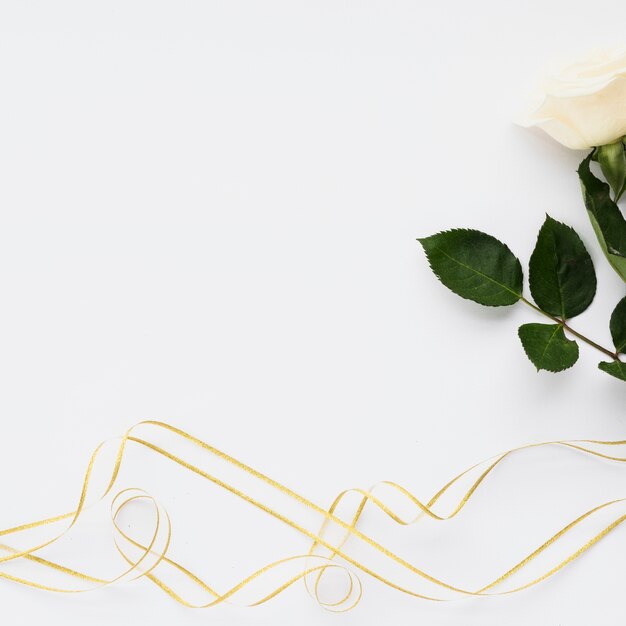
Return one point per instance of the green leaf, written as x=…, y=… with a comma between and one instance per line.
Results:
x=547, y=346
x=562, y=278
x=614, y=368
x=475, y=266
x=618, y=325
x=612, y=160
x=606, y=218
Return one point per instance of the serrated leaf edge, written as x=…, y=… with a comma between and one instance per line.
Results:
x=606, y=371
x=549, y=219
x=547, y=369
x=495, y=282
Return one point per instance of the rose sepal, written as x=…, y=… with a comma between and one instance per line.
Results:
x=612, y=161
x=607, y=220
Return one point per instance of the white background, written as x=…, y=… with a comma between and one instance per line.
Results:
x=208, y=216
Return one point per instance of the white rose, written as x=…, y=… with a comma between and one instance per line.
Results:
x=584, y=105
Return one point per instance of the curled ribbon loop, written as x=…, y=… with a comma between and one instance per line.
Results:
x=338, y=546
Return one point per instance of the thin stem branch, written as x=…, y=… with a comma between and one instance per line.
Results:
x=593, y=344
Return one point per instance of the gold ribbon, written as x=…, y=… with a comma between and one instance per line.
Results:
x=337, y=544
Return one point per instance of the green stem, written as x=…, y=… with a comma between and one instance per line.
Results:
x=593, y=344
